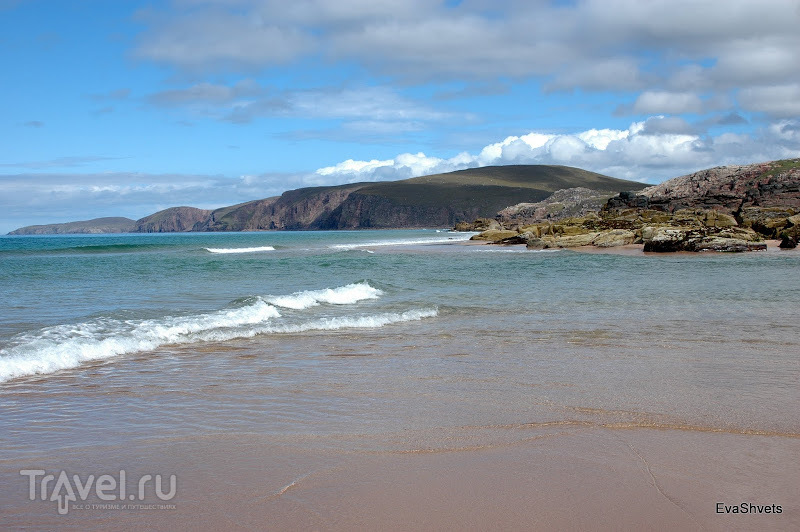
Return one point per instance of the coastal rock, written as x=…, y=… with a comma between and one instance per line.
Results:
x=725, y=188
x=790, y=237
x=570, y=241
x=769, y=221
x=536, y=243
x=666, y=239
x=671, y=239
x=614, y=237
x=495, y=235
x=521, y=238
x=565, y=203
x=481, y=224
x=719, y=243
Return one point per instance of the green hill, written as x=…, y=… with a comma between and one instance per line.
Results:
x=439, y=200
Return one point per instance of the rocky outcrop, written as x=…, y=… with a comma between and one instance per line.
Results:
x=480, y=224
x=95, y=226
x=172, y=220
x=614, y=237
x=728, y=208
x=566, y=203
x=683, y=230
x=495, y=235
x=728, y=189
x=699, y=238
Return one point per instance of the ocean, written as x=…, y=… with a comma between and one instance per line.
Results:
x=307, y=355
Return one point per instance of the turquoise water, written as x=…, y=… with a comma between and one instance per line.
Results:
x=483, y=332
x=285, y=356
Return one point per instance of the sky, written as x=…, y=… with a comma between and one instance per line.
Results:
x=123, y=108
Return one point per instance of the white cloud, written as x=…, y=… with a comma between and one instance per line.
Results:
x=652, y=150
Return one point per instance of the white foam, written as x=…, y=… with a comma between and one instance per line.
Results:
x=516, y=249
x=460, y=237
x=355, y=322
x=240, y=250
x=344, y=295
x=67, y=346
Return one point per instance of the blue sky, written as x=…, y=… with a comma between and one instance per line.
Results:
x=123, y=108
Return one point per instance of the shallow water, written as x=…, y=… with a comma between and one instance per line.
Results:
x=368, y=343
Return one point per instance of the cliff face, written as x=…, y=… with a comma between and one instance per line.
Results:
x=439, y=200
x=172, y=220
x=366, y=209
x=729, y=189
x=431, y=201
x=95, y=226
x=305, y=208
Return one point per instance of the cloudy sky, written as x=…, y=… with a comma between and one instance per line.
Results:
x=126, y=107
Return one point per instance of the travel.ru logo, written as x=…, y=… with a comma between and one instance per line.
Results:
x=64, y=490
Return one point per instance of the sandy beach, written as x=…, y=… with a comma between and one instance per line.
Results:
x=400, y=385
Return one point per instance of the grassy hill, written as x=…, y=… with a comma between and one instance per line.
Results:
x=95, y=226
x=439, y=200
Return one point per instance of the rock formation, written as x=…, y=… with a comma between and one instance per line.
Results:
x=731, y=208
x=172, y=220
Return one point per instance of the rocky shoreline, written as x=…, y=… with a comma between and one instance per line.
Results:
x=732, y=209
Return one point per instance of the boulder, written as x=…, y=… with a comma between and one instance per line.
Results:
x=790, y=237
x=666, y=239
x=536, y=243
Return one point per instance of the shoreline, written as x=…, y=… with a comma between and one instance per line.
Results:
x=638, y=249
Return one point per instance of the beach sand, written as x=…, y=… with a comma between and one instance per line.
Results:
x=563, y=477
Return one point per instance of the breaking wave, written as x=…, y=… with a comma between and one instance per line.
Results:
x=68, y=346
x=240, y=250
x=344, y=295
x=460, y=237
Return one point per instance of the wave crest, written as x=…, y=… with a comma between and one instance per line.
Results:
x=343, y=295
x=240, y=250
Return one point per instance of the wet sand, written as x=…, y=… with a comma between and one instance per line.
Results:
x=553, y=478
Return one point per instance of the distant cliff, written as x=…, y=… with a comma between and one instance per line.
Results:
x=439, y=200
x=172, y=220
x=95, y=226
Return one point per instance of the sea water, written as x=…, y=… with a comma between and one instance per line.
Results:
x=374, y=341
